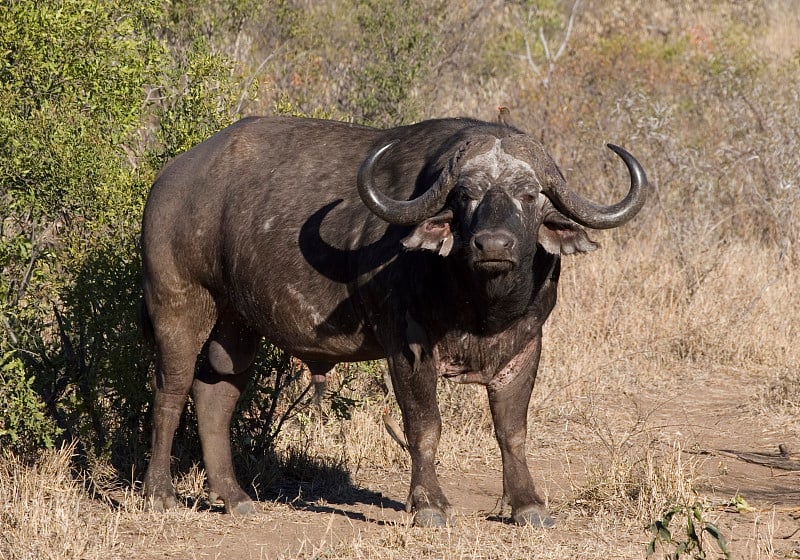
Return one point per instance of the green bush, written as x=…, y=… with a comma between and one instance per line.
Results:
x=395, y=46
x=95, y=97
x=92, y=103
x=363, y=61
x=71, y=109
x=24, y=424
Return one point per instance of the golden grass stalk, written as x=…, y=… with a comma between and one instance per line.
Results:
x=46, y=513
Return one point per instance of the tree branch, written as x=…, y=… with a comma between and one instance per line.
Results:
x=568, y=32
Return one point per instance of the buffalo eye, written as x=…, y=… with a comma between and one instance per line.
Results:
x=527, y=198
x=464, y=196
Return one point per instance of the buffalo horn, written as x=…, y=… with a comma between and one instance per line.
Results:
x=405, y=212
x=595, y=216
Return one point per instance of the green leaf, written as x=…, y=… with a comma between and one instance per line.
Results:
x=664, y=534
x=690, y=530
x=712, y=530
x=651, y=548
x=741, y=504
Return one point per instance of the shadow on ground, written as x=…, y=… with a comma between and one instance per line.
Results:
x=322, y=488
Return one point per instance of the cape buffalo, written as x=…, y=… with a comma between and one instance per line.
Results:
x=435, y=245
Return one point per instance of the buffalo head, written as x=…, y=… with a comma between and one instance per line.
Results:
x=495, y=200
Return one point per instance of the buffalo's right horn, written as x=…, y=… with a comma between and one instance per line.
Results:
x=595, y=216
x=406, y=212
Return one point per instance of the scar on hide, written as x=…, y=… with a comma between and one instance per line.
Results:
x=514, y=367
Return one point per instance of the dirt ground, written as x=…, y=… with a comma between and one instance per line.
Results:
x=736, y=453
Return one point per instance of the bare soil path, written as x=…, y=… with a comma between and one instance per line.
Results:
x=736, y=453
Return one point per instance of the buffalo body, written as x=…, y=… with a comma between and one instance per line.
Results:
x=436, y=246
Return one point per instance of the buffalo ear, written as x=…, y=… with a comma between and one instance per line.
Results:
x=561, y=236
x=433, y=234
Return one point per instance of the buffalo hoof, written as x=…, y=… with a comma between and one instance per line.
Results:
x=432, y=518
x=534, y=517
x=242, y=508
x=160, y=503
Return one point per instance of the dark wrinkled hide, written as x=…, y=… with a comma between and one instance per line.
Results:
x=259, y=232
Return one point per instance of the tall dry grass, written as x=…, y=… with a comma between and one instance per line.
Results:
x=45, y=512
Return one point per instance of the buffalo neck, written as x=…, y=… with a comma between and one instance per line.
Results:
x=495, y=301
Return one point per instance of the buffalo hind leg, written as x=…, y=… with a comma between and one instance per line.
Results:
x=223, y=374
x=178, y=335
x=508, y=399
x=416, y=395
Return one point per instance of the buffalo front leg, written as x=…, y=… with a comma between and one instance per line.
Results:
x=509, y=395
x=416, y=394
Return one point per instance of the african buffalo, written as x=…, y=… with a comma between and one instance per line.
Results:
x=435, y=245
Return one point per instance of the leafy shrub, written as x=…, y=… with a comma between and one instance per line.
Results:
x=83, y=136
x=394, y=46
x=363, y=61
x=72, y=194
x=24, y=424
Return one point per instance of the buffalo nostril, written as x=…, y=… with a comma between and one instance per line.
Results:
x=493, y=241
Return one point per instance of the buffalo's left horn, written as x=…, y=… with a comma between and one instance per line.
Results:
x=596, y=216
x=405, y=212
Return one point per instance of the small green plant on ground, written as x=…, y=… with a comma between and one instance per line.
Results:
x=694, y=544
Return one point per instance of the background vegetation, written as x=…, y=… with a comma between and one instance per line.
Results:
x=96, y=96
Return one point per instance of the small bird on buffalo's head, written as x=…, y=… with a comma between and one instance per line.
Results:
x=504, y=116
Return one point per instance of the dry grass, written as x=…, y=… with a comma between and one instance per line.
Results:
x=46, y=513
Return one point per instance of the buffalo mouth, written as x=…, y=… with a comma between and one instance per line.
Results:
x=494, y=265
